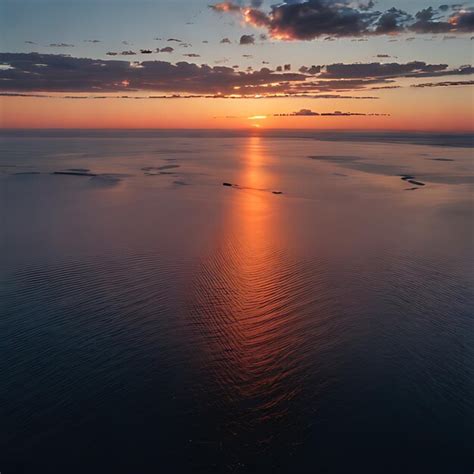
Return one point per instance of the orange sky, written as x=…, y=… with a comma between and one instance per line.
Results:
x=409, y=109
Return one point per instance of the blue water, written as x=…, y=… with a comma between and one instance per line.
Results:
x=154, y=320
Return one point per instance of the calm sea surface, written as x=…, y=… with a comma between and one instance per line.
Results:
x=314, y=317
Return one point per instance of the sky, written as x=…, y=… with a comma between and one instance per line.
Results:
x=317, y=64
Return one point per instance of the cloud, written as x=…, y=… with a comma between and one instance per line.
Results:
x=175, y=40
x=181, y=96
x=225, y=40
x=310, y=19
x=61, y=45
x=92, y=41
x=167, y=49
x=445, y=84
x=380, y=70
x=247, y=39
x=146, y=51
x=192, y=55
x=56, y=73
x=337, y=113
x=224, y=7
x=62, y=73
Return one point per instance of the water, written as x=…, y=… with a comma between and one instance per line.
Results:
x=154, y=320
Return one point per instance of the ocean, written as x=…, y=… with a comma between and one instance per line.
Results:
x=243, y=302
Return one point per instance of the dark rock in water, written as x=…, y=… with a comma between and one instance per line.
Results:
x=277, y=192
x=418, y=183
x=406, y=177
x=74, y=173
x=227, y=184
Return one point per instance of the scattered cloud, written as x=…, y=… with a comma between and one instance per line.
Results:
x=225, y=41
x=61, y=45
x=247, y=39
x=337, y=113
x=445, y=84
x=167, y=49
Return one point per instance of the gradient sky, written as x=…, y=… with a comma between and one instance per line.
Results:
x=68, y=27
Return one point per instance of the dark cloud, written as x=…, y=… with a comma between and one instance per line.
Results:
x=445, y=84
x=392, y=21
x=60, y=73
x=167, y=49
x=309, y=19
x=182, y=96
x=192, y=55
x=30, y=42
x=34, y=72
x=146, y=51
x=463, y=21
x=174, y=40
x=128, y=53
x=378, y=70
x=305, y=112
x=310, y=70
x=247, y=39
x=225, y=40
x=337, y=113
x=92, y=41
x=427, y=22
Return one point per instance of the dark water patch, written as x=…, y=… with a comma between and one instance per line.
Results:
x=73, y=173
x=79, y=170
x=335, y=158
x=440, y=159
x=107, y=179
x=355, y=163
x=26, y=173
x=418, y=183
x=449, y=179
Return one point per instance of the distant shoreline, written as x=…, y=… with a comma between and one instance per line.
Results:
x=459, y=140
